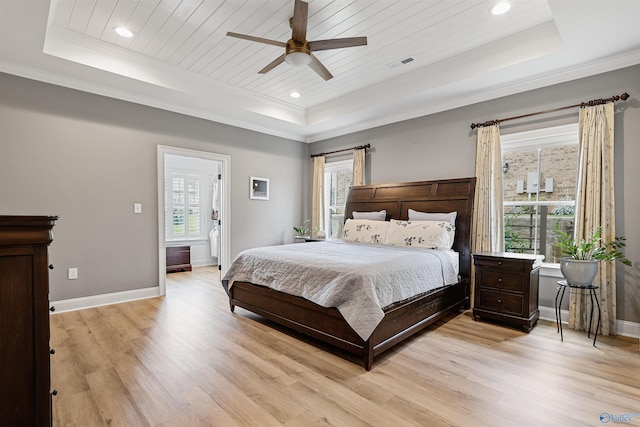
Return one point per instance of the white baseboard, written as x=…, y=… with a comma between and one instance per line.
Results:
x=104, y=299
x=623, y=327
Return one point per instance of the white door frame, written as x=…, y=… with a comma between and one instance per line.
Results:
x=225, y=240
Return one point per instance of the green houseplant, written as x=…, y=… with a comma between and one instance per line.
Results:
x=303, y=230
x=579, y=264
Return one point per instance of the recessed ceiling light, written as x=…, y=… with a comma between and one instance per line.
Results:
x=501, y=8
x=295, y=94
x=123, y=31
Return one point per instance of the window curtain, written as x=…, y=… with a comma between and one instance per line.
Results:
x=488, y=234
x=358, y=166
x=317, y=202
x=595, y=207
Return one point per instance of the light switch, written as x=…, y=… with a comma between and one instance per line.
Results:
x=73, y=273
x=137, y=208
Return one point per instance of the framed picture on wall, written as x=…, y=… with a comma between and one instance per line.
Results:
x=259, y=188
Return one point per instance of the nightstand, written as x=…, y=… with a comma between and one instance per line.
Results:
x=506, y=288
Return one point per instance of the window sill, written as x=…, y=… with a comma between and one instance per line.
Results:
x=549, y=269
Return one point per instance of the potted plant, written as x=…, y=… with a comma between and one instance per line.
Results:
x=579, y=264
x=303, y=231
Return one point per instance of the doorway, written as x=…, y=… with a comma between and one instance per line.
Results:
x=213, y=229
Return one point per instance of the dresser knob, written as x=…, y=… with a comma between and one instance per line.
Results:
x=53, y=392
x=500, y=279
x=52, y=351
x=499, y=301
x=499, y=262
x=50, y=266
x=52, y=308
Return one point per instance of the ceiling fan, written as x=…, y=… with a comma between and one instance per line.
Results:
x=298, y=49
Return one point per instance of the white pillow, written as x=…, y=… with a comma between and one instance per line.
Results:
x=421, y=234
x=430, y=216
x=365, y=231
x=375, y=216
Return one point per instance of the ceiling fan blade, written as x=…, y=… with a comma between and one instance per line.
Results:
x=257, y=39
x=337, y=43
x=317, y=66
x=299, y=21
x=279, y=60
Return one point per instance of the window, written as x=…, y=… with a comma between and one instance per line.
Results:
x=540, y=170
x=186, y=221
x=338, y=177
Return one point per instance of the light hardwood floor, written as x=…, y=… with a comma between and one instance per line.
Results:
x=186, y=360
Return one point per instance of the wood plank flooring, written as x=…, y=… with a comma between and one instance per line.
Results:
x=186, y=360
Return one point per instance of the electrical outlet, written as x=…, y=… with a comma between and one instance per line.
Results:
x=73, y=273
x=137, y=208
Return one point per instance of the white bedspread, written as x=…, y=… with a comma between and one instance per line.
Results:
x=357, y=279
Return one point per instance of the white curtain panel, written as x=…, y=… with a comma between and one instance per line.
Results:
x=317, y=202
x=488, y=233
x=595, y=207
x=358, y=166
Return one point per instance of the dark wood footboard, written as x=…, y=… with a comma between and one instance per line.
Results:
x=327, y=324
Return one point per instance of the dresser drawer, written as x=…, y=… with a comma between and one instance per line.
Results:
x=499, y=279
x=503, y=303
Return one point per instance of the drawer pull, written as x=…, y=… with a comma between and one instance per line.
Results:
x=499, y=301
x=500, y=279
x=499, y=262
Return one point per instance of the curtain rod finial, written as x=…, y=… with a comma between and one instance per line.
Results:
x=624, y=96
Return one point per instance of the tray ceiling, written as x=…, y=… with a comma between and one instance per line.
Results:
x=422, y=56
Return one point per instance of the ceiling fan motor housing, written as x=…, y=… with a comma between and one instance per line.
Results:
x=297, y=54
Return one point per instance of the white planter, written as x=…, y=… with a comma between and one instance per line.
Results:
x=579, y=272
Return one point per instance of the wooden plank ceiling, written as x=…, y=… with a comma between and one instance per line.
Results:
x=191, y=36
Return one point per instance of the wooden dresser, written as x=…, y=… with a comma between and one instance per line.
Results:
x=25, y=380
x=506, y=288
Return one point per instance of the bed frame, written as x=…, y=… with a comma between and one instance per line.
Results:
x=401, y=319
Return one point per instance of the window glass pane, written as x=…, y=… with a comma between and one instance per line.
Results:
x=194, y=191
x=559, y=172
x=194, y=221
x=178, y=221
x=178, y=191
x=338, y=180
x=539, y=186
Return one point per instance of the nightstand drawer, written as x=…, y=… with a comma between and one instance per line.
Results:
x=500, y=263
x=497, y=279
x=503, y=303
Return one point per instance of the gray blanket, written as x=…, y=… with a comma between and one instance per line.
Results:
x=357, y=279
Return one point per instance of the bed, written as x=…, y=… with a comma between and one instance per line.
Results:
x=399, y=320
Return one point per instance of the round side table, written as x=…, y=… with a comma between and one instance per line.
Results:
x=591, y=289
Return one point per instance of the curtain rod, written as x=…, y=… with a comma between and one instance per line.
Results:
x=600, y=101
x=359, y=147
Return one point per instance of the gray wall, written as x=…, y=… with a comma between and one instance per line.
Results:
x=88, y=158
x=443, y=146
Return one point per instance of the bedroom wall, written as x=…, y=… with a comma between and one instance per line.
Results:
x=443, y=146
x=88, y=158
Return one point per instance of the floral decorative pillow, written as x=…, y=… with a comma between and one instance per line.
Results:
x=365, y=231
x=421, y=234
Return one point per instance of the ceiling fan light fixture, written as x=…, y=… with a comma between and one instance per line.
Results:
x=297, y=59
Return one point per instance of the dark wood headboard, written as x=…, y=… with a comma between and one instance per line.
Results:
x=425, y=196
